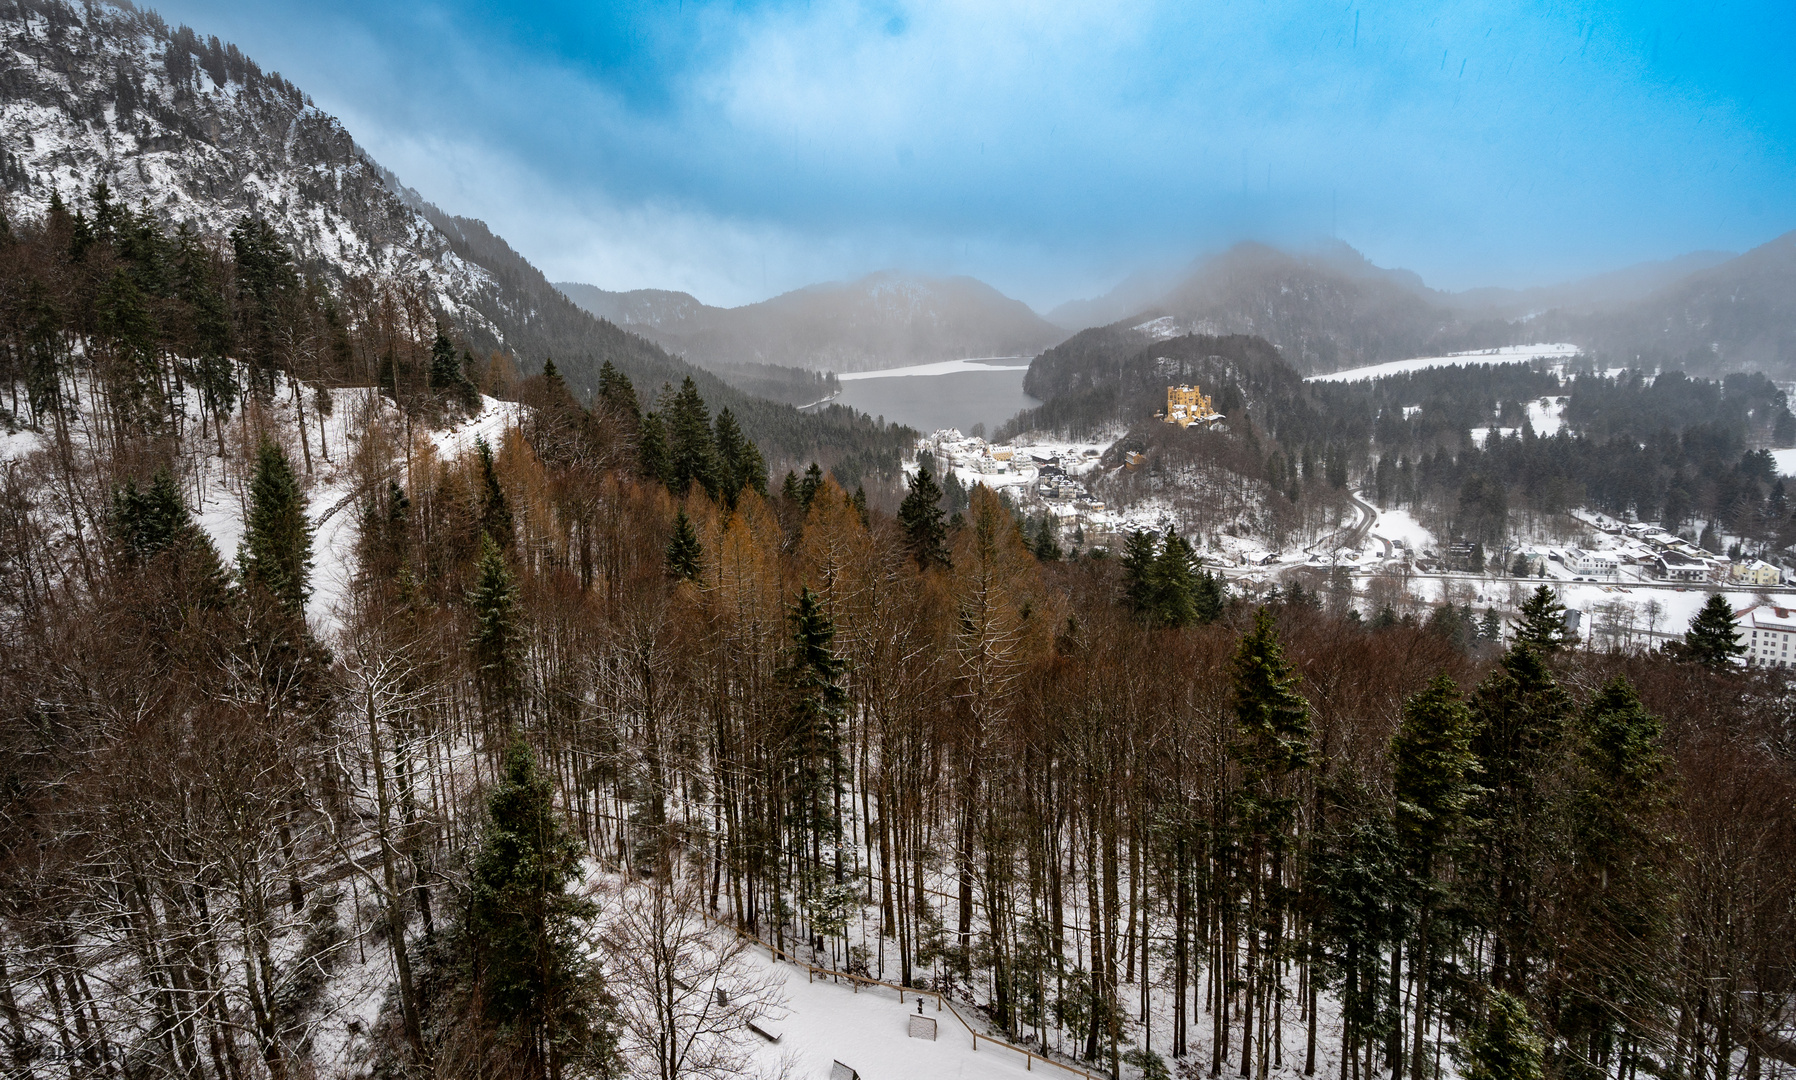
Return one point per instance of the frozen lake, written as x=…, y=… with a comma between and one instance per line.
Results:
x=951, y=394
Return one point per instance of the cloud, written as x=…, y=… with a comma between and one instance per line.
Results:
x=741, y=149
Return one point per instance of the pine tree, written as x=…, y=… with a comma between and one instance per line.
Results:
x=535, y=987
x=1542, y=625
x=1713, y=638
x=684, y=553
x=497, y=640
x=1504, y=1046
x=920, y=516
x=1046, y=545
x=1490, y=628
x=276, y=555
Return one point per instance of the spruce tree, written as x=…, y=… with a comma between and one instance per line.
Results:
x=815, y=705
x=151, y=522
x=920, y=516
x=684, y=553
x=1614, y=909
x=276, y=555
x=1174, y=581
x=445, y=370
x=1272, y=719
x=691, y=454
x=1713, y=638
x=1046, y=545
x=1503, y=1046
x=496, y=643
x=1490, y=628
x=1272, y=740
x=147, y=521
x=495, y=511
x=1432, y=765
x=651, y=448
x=1521, y=716
x=739, y=462
x=809, y=484
x=1542, y=626
x=1208, y=596
x=1139, y=555
x=617, y=395
x=536, y=989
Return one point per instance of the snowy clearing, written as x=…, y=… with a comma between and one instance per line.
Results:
x=1786, y=462
x=1508, y=354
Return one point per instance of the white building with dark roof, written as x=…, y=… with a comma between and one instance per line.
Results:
x=1769, y=634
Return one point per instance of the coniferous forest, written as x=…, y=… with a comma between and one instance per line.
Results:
x=1136, y=822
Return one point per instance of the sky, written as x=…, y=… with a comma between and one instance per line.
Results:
x=738, y=150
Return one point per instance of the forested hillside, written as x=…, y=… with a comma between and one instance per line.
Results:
x=1669, y=447
x=192, y=132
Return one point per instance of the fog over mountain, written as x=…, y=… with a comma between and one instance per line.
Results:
x=1331, y=308
x=885, y=319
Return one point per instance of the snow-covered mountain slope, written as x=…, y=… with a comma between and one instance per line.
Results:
x=196, y=132
x=193, y=130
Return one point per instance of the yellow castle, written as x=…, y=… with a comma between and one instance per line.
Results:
x=1187, y=405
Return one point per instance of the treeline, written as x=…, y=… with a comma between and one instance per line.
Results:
x=1129, y=817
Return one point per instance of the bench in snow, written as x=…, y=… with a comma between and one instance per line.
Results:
x=760, y=1028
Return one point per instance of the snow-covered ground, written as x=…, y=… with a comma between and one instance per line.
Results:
x=943, y=367
x=1399, y=527
x=1509, y=354
x=867, y=1031
x=1786, y=462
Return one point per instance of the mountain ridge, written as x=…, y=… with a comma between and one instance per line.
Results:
x=193, y=130
x=882, y=319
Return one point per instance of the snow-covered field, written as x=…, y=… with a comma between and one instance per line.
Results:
x=1509, y=354
x=943, y=367
x=1786, y=462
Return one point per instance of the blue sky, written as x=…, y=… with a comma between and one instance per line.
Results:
x=739, y=150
